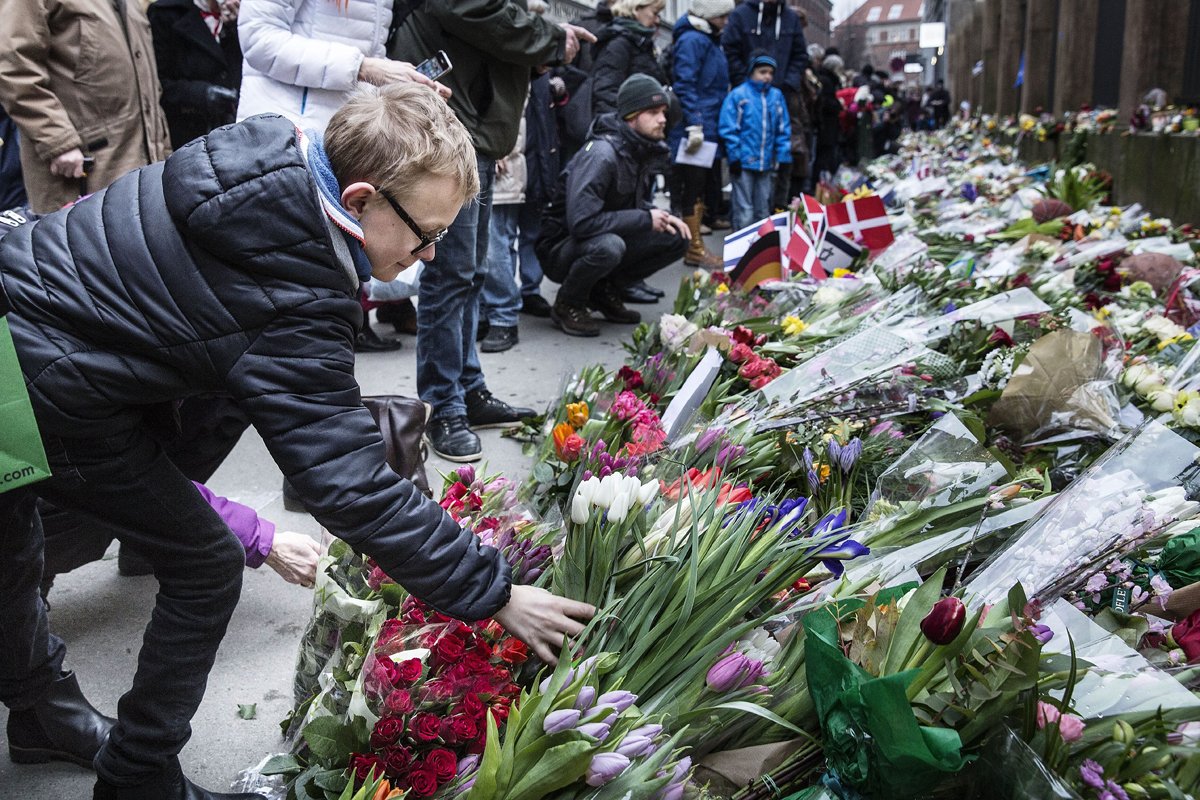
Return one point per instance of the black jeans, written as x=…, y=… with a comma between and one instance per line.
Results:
x=126, y=482
x=583, y=263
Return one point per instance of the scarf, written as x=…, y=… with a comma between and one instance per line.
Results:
x=331, y=200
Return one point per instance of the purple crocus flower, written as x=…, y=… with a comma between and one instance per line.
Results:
x=808, y=459
x=833, y=521
x=605, y=767
x=969, y=192
x=814, y=480
x=835, y=451
x=563, y=720
x=850, y=454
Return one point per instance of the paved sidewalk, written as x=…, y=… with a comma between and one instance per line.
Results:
x=101, y=615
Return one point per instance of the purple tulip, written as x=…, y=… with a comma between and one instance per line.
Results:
x=707, y=438
x=605, y=767
x=596, y=730
x=636, y=746
x=682, y=769
x=466, y=474
x=734, y=671
x=673, y=791
x=587, y=696
x=647, y=731
x=466, y=765
x=559, y=721
x=620, y=699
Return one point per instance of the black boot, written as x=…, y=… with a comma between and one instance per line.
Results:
x=62, y=726
x=606, y=299
x=170, y=784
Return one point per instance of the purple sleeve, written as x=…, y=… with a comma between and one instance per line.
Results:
x=255, y=533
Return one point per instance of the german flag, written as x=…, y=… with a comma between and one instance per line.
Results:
x=762, y=261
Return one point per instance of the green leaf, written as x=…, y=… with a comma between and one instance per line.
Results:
x=331, y=741
x=908, y=628
x=282, y=764
x=559, y=767
x=248, y=711
x=485, y=787
x=757, y=710
x=393, y=594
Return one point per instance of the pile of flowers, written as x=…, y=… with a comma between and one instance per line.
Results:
x=930, y=517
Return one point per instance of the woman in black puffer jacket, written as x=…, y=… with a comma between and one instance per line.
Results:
x=625, y=47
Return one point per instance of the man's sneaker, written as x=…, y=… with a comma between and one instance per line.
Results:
x=452, y=439
x=574, y=320
x=535, y=306
x=485, y=410
x=606, y=299
x=499, y=339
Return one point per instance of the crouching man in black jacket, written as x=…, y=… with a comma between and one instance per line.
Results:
x=602, y=230
x=231, y=267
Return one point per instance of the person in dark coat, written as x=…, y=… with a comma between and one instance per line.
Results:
x=602, y=230
x=199, y=65
x=701, y=81
x=625, y=47
x=239, y=274
x=593, y=23
x=12, y=186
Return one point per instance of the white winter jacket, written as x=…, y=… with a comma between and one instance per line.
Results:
x=301, y=57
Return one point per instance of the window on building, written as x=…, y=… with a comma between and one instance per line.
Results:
x=912, y=33
x=895, y=11
x=874, y=13
x=883, y=36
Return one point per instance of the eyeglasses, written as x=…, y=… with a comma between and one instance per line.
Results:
x=427, y=239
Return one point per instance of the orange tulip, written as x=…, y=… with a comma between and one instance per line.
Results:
x=577, y=413
x=562, y=431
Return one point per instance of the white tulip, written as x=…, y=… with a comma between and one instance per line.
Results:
x=607, y=490
x=580, y=509
x=648, y=491
x=619, y=508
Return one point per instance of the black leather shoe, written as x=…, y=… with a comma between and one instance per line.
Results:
x=62, y=726
x=499, y=339
x=401, y=314
x=170, y=784
x=452, y=439
x=635, y=293
x=131, y=564
x=369, y=341
x=484, y=410
x=606, y=299
x=535, y=306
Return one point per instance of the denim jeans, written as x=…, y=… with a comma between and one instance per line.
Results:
x=126, y=480
x=500, y=300
x=751, y=197
x=448, y=306
x=529, y=225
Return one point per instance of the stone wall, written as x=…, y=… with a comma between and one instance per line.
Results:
x=1160, y=172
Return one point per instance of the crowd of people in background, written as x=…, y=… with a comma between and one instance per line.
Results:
x=755, y=116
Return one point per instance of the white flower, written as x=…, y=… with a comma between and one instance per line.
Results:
x=675, y=331
x=647, y=492
x=1143, y=378
x=1187, y=408
x=828, y=295
x=1162, y=327
x=610, y=485
x=1162, y=399
x=580, y=508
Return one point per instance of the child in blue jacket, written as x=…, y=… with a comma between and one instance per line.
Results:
x=757, y=133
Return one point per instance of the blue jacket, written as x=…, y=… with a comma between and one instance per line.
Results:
x=773, y=27
x=700, y=77
x=755, y=127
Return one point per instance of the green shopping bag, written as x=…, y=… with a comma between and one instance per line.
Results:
x=22, y=459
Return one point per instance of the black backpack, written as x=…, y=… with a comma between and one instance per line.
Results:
x=401, y=11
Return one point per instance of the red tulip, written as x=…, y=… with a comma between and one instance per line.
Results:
x=944, y=621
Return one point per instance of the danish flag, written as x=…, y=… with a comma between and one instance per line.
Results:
x=815, y=212
x=863, y=220
x=802, y=253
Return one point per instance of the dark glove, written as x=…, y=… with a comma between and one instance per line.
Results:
x=735, y=168
x=221, y=99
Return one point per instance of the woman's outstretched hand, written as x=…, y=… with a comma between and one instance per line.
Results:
x=541, y=620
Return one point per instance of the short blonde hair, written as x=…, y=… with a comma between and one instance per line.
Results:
x=395, y=136
x=625, y=8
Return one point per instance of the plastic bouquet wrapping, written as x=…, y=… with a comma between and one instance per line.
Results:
x=1139, y=487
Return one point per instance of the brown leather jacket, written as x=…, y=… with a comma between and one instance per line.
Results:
x=80, y=73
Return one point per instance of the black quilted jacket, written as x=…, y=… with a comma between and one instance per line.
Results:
x=215, y=271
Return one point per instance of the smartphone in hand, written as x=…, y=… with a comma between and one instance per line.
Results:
x=435, y=67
